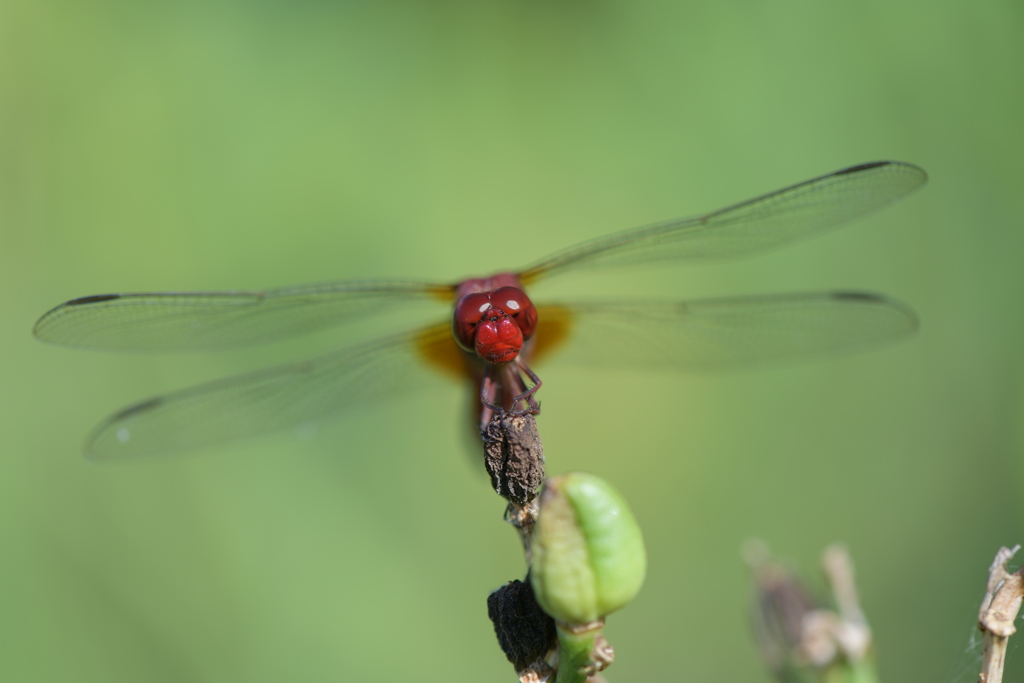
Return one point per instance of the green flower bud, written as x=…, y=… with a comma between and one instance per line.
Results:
x=588, y=553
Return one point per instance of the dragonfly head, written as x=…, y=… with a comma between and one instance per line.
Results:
x=494, y=324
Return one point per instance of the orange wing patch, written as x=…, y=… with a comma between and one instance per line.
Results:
x=437, y=348
x=554, y=326
x=445, y=293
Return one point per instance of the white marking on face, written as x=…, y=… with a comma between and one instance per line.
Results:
x=513, y=304
x=485, y=307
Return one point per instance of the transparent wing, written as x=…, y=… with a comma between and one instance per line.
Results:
x=754, y=225
x=694, y=335
x=177, y=321
x=712, y=334
x=276, y=398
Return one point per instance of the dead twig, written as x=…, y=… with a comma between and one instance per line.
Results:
x=1003, y=594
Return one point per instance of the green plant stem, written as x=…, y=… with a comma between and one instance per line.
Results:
x=574, y=654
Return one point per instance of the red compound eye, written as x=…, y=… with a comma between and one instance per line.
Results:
x=514, y=302
x=469, y=312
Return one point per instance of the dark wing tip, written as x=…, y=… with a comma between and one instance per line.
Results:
x=913, y=323
x=857, y=296
x=88, y=448
x=137, y=408
x=863, y=167
x=878, y=164
x=95, y=298
x=38, y=329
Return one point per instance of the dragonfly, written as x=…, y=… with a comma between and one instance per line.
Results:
x=496, y=333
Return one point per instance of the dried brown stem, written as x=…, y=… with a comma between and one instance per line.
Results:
x=1003, y=594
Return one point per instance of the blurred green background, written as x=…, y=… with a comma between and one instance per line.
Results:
x=207, y=145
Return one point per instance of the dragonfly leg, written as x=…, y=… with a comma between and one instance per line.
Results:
x=504, y=388
x=489, y=395
x=532, y=405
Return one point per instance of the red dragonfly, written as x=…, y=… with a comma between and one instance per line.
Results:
x=497, y=330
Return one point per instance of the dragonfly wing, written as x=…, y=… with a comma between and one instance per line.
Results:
x=275, y=398
x=712, y=334
x=751, y=226
x=177, y=321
